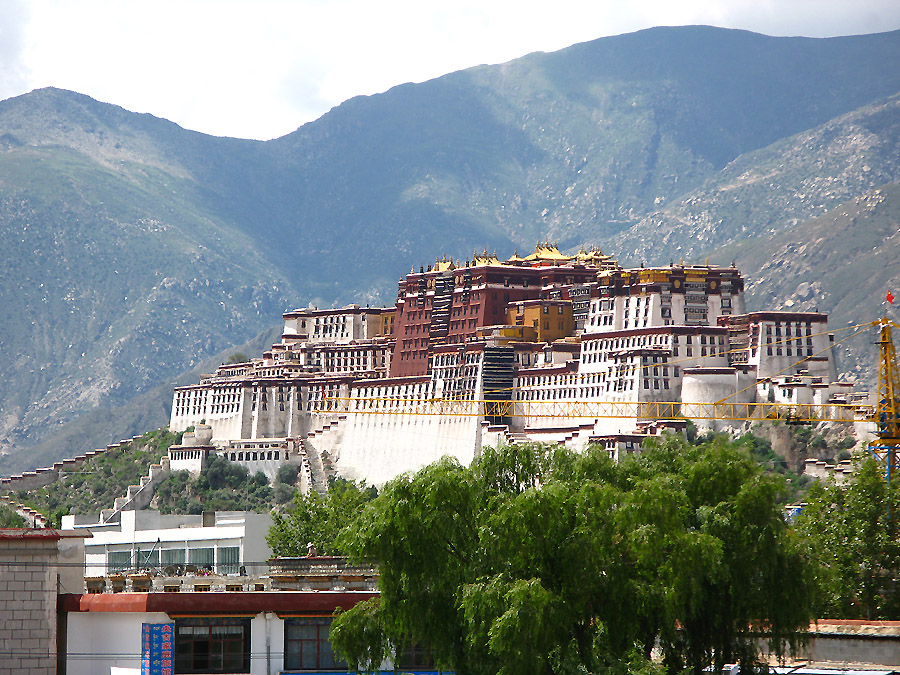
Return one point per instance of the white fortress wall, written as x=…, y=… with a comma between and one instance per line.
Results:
x=389, y=430
x=707, y=385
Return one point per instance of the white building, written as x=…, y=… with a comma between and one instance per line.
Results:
x=642, y=337
x=222, y=541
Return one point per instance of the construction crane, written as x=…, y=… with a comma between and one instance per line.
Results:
x=887, y=406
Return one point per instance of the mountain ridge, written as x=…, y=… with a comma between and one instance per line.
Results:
x=159, y=246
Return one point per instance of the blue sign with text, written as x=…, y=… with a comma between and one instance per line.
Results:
x=157, y=648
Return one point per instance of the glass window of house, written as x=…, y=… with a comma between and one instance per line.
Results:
x=414, y=656
x=202, y=557
x=212, y=645
x=119, y=560
x=306, y=645
x=228, y=559
x=172, y=556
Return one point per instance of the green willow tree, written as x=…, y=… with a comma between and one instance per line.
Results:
x=539, y=560
x=318, y=519
x=852, y=531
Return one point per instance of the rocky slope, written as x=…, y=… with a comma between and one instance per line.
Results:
x=843, y=262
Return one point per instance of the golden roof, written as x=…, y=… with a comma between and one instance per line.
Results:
x=595, y=257
x=549, y=252
x=443, y=265
x=515, y=258
x=485, y=258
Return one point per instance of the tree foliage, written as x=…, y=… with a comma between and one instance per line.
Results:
x=851, y=530
x=539, y=560
x=317, y=519
x=9, y=518
x=220, y=486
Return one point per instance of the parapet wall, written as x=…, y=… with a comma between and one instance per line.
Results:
x=33, y=480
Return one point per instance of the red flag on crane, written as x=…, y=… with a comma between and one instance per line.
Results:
x=890, y=297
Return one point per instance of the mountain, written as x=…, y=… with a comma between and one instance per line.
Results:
x=119, y=269
x=132, y=249
x=776, y=187
x=844, y=261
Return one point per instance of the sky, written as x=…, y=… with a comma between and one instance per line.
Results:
x=261, y=69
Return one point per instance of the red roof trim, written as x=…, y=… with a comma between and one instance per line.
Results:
x=214, y=603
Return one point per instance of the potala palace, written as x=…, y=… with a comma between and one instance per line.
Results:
x=549, y=347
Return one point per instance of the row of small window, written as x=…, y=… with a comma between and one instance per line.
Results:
x=641, y=341
x=788, y=351
x=787, y=328
x=230, y=396
x=224, y=559
x=335, y=318
x=265, y=407
x=605, y=320
x=797, y=341
x=254, y=456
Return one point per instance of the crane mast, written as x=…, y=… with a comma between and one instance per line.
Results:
x=887, y=407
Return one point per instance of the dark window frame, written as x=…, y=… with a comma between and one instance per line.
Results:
x=196, y=650
x=321, y=657
x=414, y=655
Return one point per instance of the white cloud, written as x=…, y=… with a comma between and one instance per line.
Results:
x=13, y=75
x=262, y=69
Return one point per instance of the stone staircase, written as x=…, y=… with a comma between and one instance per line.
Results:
x=516, y=437
x=327, y=426
x=316, y=446
x=305, y=472
x=137, y=496
x=33, y=480
x=575, y=433
x=32, y=518
x=318, y=476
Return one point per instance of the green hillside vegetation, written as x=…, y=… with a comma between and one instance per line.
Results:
x=224, y=486
x=221, y=486
x=136, y=248
x=9, y=518
x=99, y=480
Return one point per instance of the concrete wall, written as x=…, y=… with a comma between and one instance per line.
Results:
x=857, y=649
x=97, y=642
